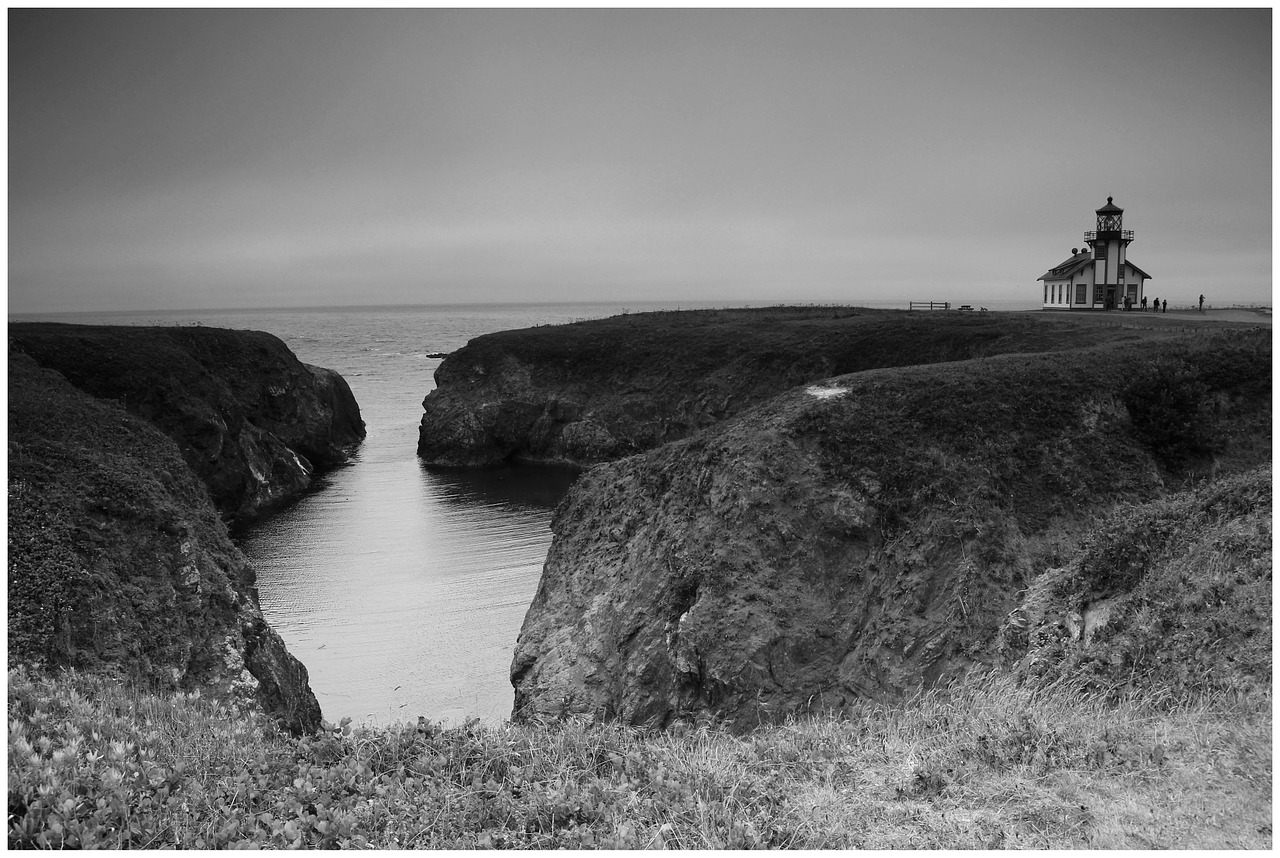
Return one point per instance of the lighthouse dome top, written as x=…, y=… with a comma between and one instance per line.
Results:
x=1109, y=208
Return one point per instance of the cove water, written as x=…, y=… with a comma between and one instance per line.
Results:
x=400, y=588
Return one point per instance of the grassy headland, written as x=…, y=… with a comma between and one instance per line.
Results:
x=602, y=389
x=1150, y=728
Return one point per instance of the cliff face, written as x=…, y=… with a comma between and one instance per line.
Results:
x=597, y=391
x=864, y=536
x=252, y=421
x=118, y=560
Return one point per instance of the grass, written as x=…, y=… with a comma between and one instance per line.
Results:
x=1185, y=583
x=1004, y=430
x=95, y=762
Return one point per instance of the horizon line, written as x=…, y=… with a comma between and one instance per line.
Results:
x=678, y=304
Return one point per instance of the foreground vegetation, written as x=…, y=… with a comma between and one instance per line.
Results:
x=94, y=763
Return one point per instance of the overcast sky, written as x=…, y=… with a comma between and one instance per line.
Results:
x=245, y=158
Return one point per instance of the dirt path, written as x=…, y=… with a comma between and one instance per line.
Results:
x=1260, y=316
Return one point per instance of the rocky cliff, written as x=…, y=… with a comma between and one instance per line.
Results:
x=868, y=534
x=599, y=390
x=117, y=558
x=252, y=421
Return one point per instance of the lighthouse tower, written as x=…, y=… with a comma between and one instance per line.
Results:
x=1109, y=242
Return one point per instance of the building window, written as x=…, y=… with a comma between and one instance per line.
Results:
x=1097, y=293
x=1082, y=292
x=1100, y=250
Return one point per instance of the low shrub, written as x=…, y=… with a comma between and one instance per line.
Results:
x=1173, y=596
x=1169, y=406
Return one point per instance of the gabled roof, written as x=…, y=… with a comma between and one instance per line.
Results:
x=1068, y=267
x=1137, y=269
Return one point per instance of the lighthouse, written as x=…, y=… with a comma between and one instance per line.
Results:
x=1099, y=276
x=1109, y=242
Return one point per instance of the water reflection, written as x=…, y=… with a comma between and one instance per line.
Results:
x=404, y=597
x=514, y=485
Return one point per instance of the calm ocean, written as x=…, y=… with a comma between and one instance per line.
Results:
x=401, y=589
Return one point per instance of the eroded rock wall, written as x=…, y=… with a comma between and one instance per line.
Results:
x=119, y=561
x=862, y=537
x=252, y=421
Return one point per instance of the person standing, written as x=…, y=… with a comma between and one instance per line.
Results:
x=1164, y=307
x=1201, y=303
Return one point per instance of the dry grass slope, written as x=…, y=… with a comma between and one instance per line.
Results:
x=985, y=765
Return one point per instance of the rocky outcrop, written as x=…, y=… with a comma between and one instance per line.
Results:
x=118, y=561
x=863, y=536
x=252, y=421
x=599, y=390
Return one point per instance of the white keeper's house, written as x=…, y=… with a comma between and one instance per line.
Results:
x=1098, y=276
